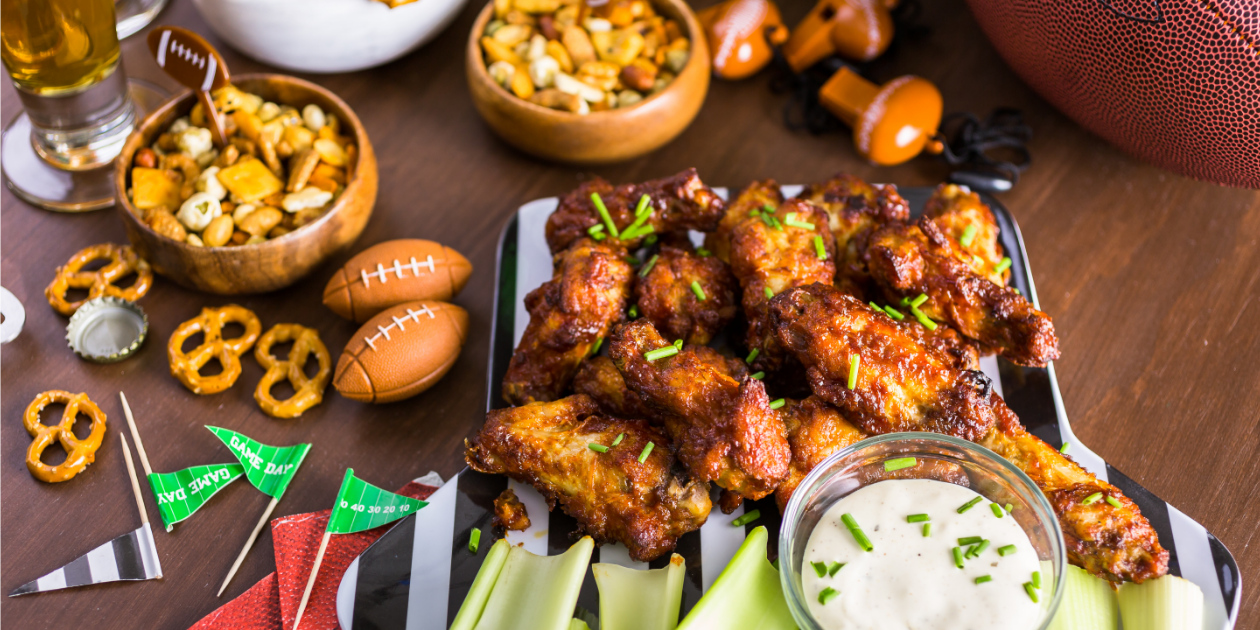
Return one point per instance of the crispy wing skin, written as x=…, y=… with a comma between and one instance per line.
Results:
x=816, y=430
x=773, y=259
x=902, y=385
x=510, y=513
x=910, y=259
x=1115, y=543
x=681, y=202
x=598, y=378
x=646, y=506
x=567, y=316
x=955, y=209
x=856, y=208
x=725, y=429
x=667, y=298
x=757, y=196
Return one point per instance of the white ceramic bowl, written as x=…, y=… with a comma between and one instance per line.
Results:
x=326, y=35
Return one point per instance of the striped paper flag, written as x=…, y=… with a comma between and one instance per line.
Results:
x=183, y=492
x=361, y=505
x=269, y=468
x=131, y=556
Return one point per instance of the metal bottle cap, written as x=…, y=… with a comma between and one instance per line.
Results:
x=107, y=330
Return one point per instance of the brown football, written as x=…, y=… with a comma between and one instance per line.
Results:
x=394, y=272
x=401, y=352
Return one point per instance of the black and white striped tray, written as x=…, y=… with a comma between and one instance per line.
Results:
x=416, y=576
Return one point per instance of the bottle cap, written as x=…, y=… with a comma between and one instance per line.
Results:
x=107, y=330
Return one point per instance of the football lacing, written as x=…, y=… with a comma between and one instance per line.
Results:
x=381, y=271
x=398, y=322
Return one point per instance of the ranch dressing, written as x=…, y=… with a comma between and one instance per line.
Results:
x=911, y=582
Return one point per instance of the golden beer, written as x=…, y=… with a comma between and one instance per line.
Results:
x=55, y=47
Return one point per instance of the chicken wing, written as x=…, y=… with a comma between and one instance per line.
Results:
x=645, y=505
x=568, y=315
x=725, y=429
x=598, y=378
x=510, y=513
x=816, y=431
x=685, y=295
x=681, y=202
x=912, y=259
x=969, y=223
x=758, y=196
x=856, y=208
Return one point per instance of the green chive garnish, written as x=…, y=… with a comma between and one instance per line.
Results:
x=599, y=343
x=918, y=301
x=620, y=437
x=1114, y=501
x=634, y=311
x=775, y=404
x=598, y=448
x=768, y=219
x=754, y=212
x=984, y=578
x=958, y=557
x=752, y=355
x=748, y=518
x=894, y=313
x=1092, y=499
x=927, y=530
x=905, y=301
x=1007, y=550
x=474, y=540
x=758, y=376
x=858, y=535
x=1002, y=265
x=968, y=505
x=769, y=293
x=650, y=240
x=1016, y=290
x=596, y=229
x=1032, y=592
x=634, y=261
x=678, y=343
x=695, y=288
x=970, y=540
x=603, y=214
x=984, y=544
x=642, y=206
x=923, y=319
x=661, y=353
x=703, y=253
x=834, y=568
x=647, y=450
x=643, y=273
x=1036, y=581
x=826, y=595
x=854, y=362
x=899, y=463
x=792, y=222
x=767, y=208
x=776, y=224
x=875, y=306
x=1008, y=507
x=1065, y=447
x=997, y=510
x=819, y=248
x=971, y=552
x=968, y=236
x=918, y=518
x=819, y=567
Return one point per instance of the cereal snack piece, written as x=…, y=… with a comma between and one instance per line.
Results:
x=250, y=181
x=152, y=187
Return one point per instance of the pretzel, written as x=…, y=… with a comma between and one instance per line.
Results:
x=308, y=392
x=123, y=261
x=187, y=366
x=79, y=453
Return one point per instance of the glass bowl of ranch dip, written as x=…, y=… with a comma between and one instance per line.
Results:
x=915, y=531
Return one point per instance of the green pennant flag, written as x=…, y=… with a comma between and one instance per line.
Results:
x=269, y=468
x=361, y=505
x=183, y=492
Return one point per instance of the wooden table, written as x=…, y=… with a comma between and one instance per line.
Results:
x=1151, y=277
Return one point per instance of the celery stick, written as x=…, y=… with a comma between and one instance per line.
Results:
x=475, y=602
x=1088, y=603
x=1167, y=603
x=746, y=596
x=640, y=600
x=537, y=592
x=578, y=624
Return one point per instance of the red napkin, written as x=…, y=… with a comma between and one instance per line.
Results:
x=275, y=598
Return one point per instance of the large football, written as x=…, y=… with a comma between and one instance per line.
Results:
x=393, y=272
x=401, y=352
x=1173, y=82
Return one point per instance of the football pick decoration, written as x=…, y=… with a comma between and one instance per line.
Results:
x=183, y=492
x=192, y=61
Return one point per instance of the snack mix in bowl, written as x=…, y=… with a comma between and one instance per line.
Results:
x=571, y=57
x=281, y=169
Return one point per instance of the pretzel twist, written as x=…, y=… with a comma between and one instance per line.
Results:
x=308, y=392
x=79, y=453
x=186, y=366
x=123, y=261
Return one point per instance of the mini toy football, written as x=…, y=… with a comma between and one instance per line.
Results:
x=394, y=272
x=1173, y=82
x=401, y=352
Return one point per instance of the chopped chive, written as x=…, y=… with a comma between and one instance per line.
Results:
x=894, y=313
x=661, y=353
x=647, y=450
x=1008, y=507
x=769, y=293
x=752, y=355
x=958, y=557
x=643, y=273
x=1032, y=592
x=600, y=236
x=918, y=301
x=775, y=404
x=968, y=541
x=650, y=240
x=997, y=510
x=776, y=223
x=971, y=552
x=598, y=228
x=474, y=540
x=819, y=567
x=875, y=306
x=598, y=448
x=923, y=319
x=767, y=208
x=599, y=343
x=984, y=544
x=856, y=530
x=1002, y=265
x=834, y=568
x=898, y=464
x=754, y=212
x=1007, y=550
x=620, y=437
x=819, y=248
x=1092, y=499
x=854, y=362
x=642, y=205
x=1065, y=447
x=703, y=253
x=695, y=288
x=976, y=260
x=634, y=311
x=748, y=518
x=968, y=505
x=678, y=343
x=768, y=219
x=634, y=261
x=1036, y=581
x=635, y=231
x=927, y=530
x=826, y=595
x=1016, y=290
x=968, y=236
x=791, y=216
x=603, y=214
x=792, y=222
x=918, y=518
x=905, y=301
x=1114, y=501
x=758, y=376
x=984, y=578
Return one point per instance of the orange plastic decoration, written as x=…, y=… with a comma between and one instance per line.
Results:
x=858, y=30
x=79, y=453
x=891, y=123
x=740, y=34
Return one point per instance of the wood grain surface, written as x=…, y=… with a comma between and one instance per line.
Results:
x=1151, y=278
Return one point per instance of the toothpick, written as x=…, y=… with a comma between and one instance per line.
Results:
x=319, y=559
x=135, y=484
x=249, y=544
x=135, y=435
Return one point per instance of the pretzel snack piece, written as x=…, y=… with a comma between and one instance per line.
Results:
x=79, y=453
x=186, y=366
x=308, y=391
x=123, y=261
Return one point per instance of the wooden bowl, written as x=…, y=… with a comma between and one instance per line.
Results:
x=599, y=137
x=272, y=264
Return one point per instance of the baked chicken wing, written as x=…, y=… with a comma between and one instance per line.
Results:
x=599, y=378
x=856, y=208
x=568, y=315
x=678, y=203
x=815, y=430
x=685, y=295
x=645, y=505
x=969, y=223
x=758, y=196
x=912, y=259
x=725, y=430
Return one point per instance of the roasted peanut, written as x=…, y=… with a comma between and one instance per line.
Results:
x=261, y=221
x=639, y=75
x=165, y=223
x=513, y=34
x=194, y=240
x=227, y=156
x=219, y=231
x=146, y=158
x=498, y=51
x=557, y=51
x=547, y=26
x=555, y=99
x=277, y=232
x=579, y=45
x=522, y=85
x=599, y=74
x=239, y=237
